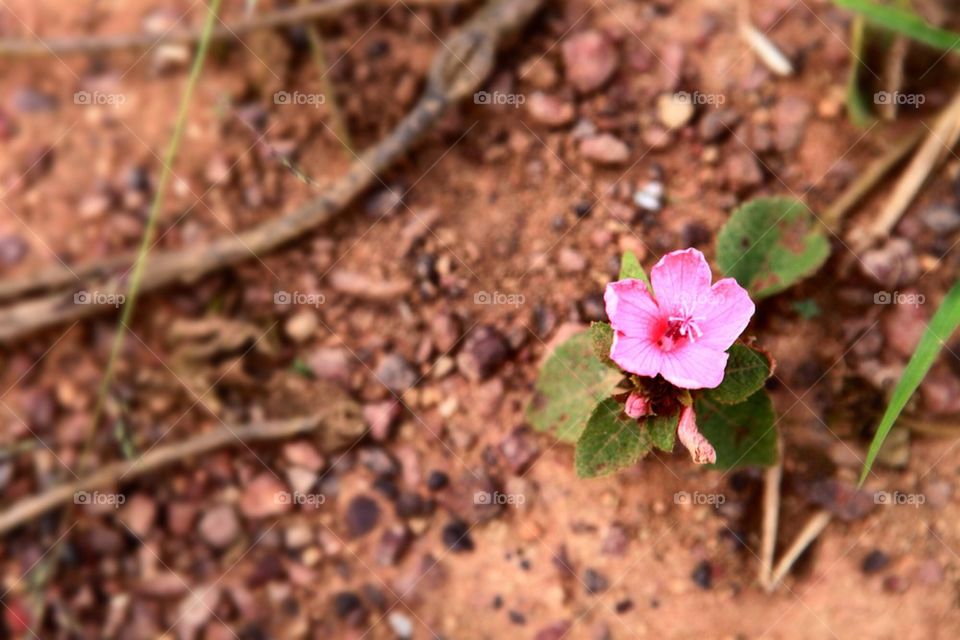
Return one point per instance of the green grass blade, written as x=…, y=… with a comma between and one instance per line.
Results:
x=906, y=22
x=942, y=325
x=150, y=231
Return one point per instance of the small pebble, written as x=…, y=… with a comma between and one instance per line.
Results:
x=703, y=575
x=437, y=480
x=595, y=582
x=362, y=516
x=874, y=562
x=456, y=536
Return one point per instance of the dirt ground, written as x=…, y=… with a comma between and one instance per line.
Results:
x=506, y=232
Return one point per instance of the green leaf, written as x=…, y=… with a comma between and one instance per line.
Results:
x=630, y=268
x=743, y=434
x=942, y=325
x=904, y=21
x=746, y=371
x=808, y=309
x=770, y=243
x=571, y=383
x=663, y=431
x=611, y=441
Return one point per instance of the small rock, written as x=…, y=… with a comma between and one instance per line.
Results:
x=789, y=120
x=519, y=449
x=94, y=205
x=412, y=505
x=742, y=171
x=380, y=418
x=517, y=617
x=895, y=584
x=401, y=625
x=303, y=454
x=941, y=218
x=674, y=110
x=589, y=59
x=550, y=110
x=702, y=575
x=302, y=325
x=717, y=124
x=362, y=516
x=396, y=374
x=385, y=202
x=456, y=536
x=436, y=480
x=874, y=562
x=605, y=149
x=196, y=609
x=393, y=543
x=571, y=261
x=378, y=461
x=616, y=541
x=264, y=496
x=940, y=391
x=904, y=324
x=27, y=100
x=592, y=308
x=555, y=631
x=347, y=605
x=929, y=572
x=892, y=264
x=331, y=363
x=139, y=514
x=13, y=249
x=301, y=479
x=594, y=582
x=298, y=537
x=649, y=196
x=484, y=350
x=445, y=331
x=656, y=137
x=219, y=527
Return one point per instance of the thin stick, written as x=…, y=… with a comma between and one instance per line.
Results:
x=282, y=17
x=771, y=517
x=161, y=456
x=457, y=71
x=868, y=179
x=814, y=527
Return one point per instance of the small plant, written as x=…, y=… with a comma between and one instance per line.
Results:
x=669, y=366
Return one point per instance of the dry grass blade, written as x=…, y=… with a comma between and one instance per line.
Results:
x=939, y=141
x=814, y=527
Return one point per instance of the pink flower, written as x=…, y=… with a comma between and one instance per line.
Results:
x=683, y=332
x=700, y=449
x=637, y=405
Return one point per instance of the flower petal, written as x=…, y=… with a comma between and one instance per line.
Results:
x=694, y=366
x=630, y=307
x=680, y=278
x=726, y=310
x=636, y=354
x=699, y=447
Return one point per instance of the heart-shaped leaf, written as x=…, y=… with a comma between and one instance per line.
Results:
x=571, y=383
x=743, y=434
x=747, y=369
x=770, y=243
x=611, y=441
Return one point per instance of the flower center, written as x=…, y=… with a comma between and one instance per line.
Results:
x=681, y=326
